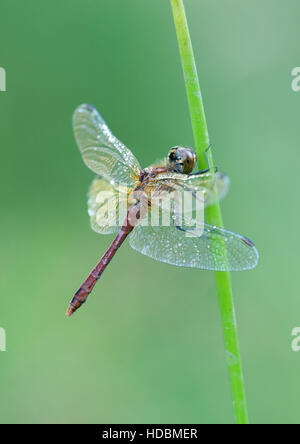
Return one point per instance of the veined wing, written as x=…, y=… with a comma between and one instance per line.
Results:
x=107, y=205
x=171, y=245
x=101, y=151
x=182, y=199
x=179, y=236
x=209, y=187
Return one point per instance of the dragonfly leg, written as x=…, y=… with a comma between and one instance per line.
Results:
x=207, y=161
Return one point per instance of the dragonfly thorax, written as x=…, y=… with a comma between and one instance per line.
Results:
x=182, y=160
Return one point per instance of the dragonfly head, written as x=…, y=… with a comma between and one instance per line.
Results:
x=182, y=160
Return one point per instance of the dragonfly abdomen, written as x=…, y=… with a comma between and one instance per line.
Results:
x=81, y=295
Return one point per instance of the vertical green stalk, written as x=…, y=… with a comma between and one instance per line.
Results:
x=213, y=213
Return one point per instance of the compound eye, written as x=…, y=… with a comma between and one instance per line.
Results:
x=173, y=155
x=182, y=159
x=189, y=160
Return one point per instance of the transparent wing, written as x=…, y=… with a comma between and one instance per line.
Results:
x=182, y=198
x=107, y=205
x=100, y=150
x=210, y=187
x=172, y=245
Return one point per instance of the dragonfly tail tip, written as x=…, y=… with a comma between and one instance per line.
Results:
x=70, y=311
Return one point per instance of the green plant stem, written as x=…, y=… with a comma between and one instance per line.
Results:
x=213, y=213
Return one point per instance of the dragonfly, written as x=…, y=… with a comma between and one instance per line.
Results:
x=121, y=183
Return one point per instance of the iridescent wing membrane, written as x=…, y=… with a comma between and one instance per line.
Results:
x=209, y=187
x=199, y=245
x=101, y=151
x=107, y=205
x=171, y=245
x=182, y=198
x=115, y=165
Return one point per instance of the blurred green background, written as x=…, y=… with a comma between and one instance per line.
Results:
x=147, y=347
